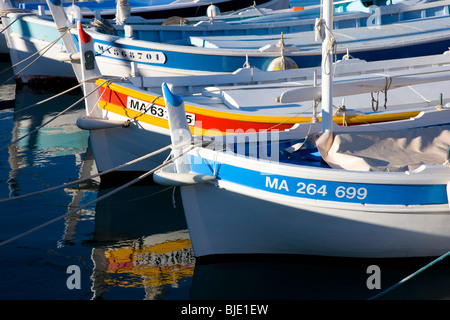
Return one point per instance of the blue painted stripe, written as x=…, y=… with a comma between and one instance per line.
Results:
x=218, y=63
x=382, y=194
x=36, y=31
x=189, y=61
x=223, y=63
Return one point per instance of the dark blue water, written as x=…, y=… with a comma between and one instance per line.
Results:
x=134, y=245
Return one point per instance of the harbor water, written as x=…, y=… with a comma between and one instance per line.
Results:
x=134, y=244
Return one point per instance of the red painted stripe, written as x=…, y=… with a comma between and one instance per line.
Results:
x=202, y=121
x=233, y=126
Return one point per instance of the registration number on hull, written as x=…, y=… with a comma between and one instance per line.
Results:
x=154, y=110
x=130, y=54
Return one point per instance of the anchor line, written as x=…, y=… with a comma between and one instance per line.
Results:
x=146, y=108
x=107, y=83
x=88, y=178
x=41, y=102
x=56, y=116
x=256, y=8
x=281, y=123
x=5, y=14
x=143, y=176
x=110, y=45
x=40, y=53
x=79, y=181
x=411, y=276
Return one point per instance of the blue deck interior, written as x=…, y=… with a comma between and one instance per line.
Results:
x=309, y=156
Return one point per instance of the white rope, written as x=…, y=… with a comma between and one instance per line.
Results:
x=100, y=96
x=64, y=185
x=410, y=276
x=341, y=109
x=53, y=118
x=143, y=176
x=41, y=102
x=40, y=53
x=420, y=95
x=330, y=46
x=4, y=13
x=319, y=31
x=104, y=25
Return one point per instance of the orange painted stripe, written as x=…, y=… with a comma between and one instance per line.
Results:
x=210, y=122
x=115, y=99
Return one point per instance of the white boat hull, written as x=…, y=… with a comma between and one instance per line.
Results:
x=261, y=223
x=250, y=206
x=45, y=67
x=113, y=147
x=116, y=55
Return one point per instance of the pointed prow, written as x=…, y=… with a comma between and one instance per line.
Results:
x=89, y=70
x=63, y=25
x=178, y=173
x=180, y=134
x=86, y=45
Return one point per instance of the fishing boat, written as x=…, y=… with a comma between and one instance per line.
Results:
x=224, y=54
x=368, y=191
x=161, y=50
x=28, y=45
x=162, y=8
x=90, y=9
x=123, y=113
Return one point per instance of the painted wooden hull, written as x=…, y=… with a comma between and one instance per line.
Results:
x=127, y=122
x=233, y=107
x=261, y=223
x=287, y=206
x=163, y=9
x=114, y=146
x=115, y=55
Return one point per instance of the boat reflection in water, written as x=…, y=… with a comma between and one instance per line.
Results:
x=141, y=241
x=141, y=250
x=132, y=245
x=135, y=244
x=313, y=278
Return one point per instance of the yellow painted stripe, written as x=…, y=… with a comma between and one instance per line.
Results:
x=207, y=112
x=359, y=119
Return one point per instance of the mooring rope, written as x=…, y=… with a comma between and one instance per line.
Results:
x=41, y=102
x=140, y=113
x=143, y=176
x=90, y=177
x=24, y=12
x=40, y=53
x=53, y=118
x=4, y=13
x=411, y=276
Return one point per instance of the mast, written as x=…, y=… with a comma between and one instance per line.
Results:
x=327, y=67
